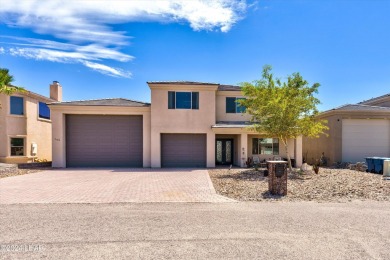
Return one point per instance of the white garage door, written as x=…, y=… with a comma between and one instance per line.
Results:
x=365, y=138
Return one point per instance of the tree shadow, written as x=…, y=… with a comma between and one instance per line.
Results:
x=246, y=175
x=268, y=195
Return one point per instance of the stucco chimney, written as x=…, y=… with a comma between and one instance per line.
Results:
x=56, y=91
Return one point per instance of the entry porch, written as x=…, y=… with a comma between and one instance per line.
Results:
x=235, y=144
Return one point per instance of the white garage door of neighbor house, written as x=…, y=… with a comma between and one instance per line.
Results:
x=365, y=138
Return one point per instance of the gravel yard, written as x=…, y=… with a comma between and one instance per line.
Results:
x=8, y=170
x=330, y=185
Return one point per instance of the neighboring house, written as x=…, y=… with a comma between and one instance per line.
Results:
x=187, y=124
x=25, y=126
x=355, y=132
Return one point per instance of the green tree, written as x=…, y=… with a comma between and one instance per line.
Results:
x=283, y=109
x=5, y=83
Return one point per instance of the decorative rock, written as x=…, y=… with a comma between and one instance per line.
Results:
x=330, y=185
x=306, y=167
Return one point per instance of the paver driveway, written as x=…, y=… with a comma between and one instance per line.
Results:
x=110, y=185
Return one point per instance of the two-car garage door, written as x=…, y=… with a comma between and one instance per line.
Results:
x=365, y=138
x=104, y=141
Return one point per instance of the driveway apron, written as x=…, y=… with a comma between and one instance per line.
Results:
x=110, y=186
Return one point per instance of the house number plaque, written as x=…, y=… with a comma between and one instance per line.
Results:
x=279, y=170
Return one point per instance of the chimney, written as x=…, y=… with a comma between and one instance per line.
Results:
x=56, y=91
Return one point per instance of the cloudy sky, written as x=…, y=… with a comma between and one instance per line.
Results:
x=100, y=49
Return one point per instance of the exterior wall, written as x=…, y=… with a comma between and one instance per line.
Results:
x=332, y=145
x=164, y=120
x=221, y=107
x=27, y=126
x=59, y=135
x=329, y=145
x=3, y=134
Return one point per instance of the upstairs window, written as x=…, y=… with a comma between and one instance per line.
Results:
x=232, y=106
x=183, y=100
x=17, y=146
x=44, y=111
x=265, y=146
x=17, y=105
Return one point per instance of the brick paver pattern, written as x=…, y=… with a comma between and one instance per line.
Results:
x=110, y=186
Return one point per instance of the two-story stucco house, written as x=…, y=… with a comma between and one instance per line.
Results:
x=25, y=125
x=187, y=124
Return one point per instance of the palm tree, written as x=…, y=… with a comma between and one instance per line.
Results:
x=5, y=83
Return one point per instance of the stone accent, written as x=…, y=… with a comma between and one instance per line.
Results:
x=359, y=166
x=34, y=165
x=277, y=178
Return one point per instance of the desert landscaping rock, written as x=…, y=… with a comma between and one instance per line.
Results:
x=329, y=185
x=8, y=170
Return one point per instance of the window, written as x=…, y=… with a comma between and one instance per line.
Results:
x=44, y=111
x=17, y=146
x=232, y=106
x=265, y=146
x=183, y=100
x=17, y=105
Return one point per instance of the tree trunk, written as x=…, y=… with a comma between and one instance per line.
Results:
x=285, y=142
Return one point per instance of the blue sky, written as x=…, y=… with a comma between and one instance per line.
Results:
x=100, y=50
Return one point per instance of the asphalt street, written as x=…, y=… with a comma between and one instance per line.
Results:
x=305, y=230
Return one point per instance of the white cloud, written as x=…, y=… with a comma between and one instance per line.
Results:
x=88, y=52
x=2, y=50
x=46, y=54
x=114, y=72
x=84, y=27
x=68, y=57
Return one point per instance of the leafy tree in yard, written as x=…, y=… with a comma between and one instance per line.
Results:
x=5, y=83
x=283, y=109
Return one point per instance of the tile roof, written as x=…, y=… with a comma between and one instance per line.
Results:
x=220, y=87
x=229, y=88
x=121, y=102
x=373, y=99
x=181, y=82
x=33, y=94
x=359, y=107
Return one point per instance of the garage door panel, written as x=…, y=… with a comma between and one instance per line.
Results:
x=365, y=138
x=183, y=150
x=104, y=141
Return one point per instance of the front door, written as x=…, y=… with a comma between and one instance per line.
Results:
x=224, y=151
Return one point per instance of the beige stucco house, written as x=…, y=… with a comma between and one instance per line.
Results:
x=25, y=126
x=355, y=131
x=187, y=124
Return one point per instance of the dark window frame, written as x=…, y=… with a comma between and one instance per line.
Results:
x=193, y=98
x=40, y=115
x=238, y=109
x=15, y=110
x=258, y=150
x=23, y=146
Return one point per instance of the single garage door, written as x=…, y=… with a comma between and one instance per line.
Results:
x=183, y=150
x=103, y=141
x=364, y=138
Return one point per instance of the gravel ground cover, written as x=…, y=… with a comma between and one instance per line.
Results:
x=8, y=170
x=329, y=185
